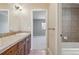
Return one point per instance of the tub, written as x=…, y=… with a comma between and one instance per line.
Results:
x=70, y=48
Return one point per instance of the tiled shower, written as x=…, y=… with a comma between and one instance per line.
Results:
x=70, y=28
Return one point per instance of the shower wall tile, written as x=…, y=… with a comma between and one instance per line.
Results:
x=71, y=24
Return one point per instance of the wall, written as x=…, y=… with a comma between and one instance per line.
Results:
x=4, y=6
x=40, y=5
x=70, y=5
x=18, y=21
x=22, y=21
x=52, y=34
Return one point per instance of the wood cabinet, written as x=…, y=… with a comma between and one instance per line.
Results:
x=21, y=48
x=11, y=51
x=28, y=45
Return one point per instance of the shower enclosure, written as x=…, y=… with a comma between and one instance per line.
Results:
x=70, y=28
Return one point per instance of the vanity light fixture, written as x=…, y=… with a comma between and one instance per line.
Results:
x=18, y=7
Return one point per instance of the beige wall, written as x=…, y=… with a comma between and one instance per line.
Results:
x=52, y=34
x=19, y=21
x=40, y=5
x=4, y=6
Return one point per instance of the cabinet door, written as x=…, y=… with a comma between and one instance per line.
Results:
x=21, y=48
x=28, y=45
x=11, y=51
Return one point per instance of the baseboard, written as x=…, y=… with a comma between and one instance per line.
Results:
x=49, y=52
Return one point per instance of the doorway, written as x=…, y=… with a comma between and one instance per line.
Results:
x=39, y=29
x=70, y=29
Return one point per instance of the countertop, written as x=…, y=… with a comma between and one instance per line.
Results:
x=9, y=41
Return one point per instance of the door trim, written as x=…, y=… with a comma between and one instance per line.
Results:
x=59, y=29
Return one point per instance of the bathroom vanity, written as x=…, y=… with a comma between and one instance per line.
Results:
x=18, y=44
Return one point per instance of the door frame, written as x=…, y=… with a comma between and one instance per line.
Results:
x=32, y=23
x=59, y=29
x=7, y=17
